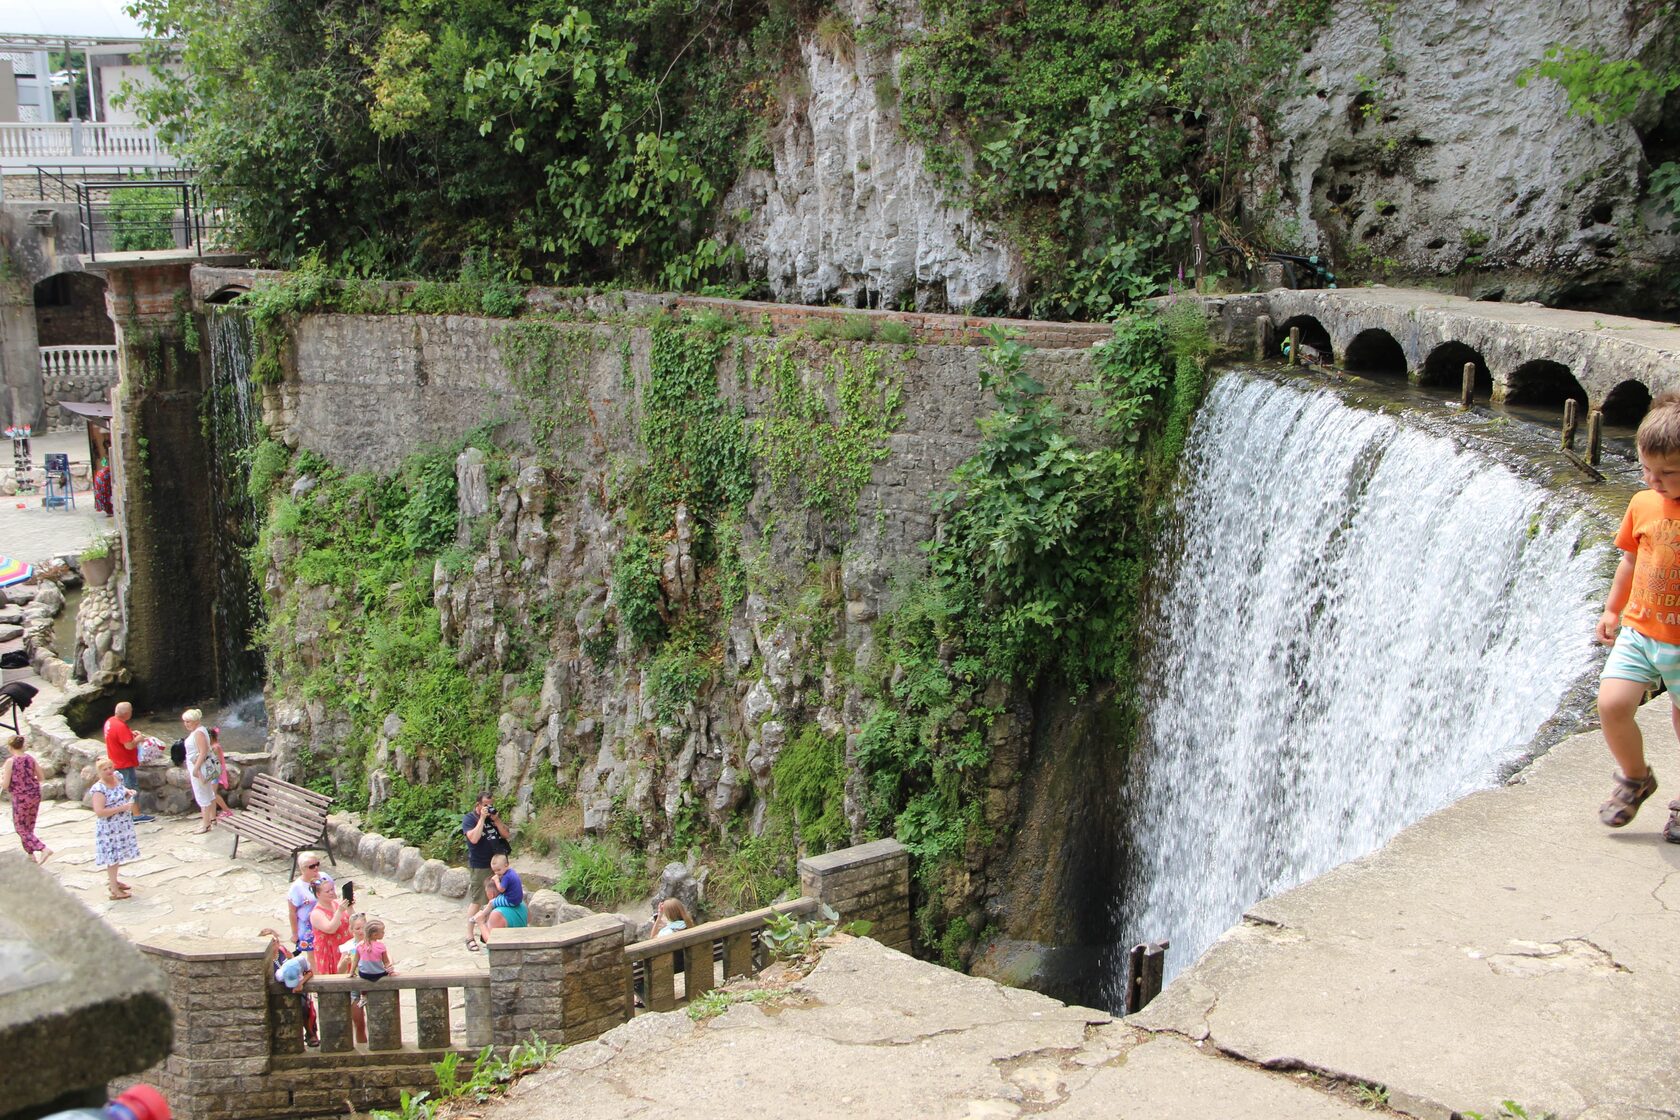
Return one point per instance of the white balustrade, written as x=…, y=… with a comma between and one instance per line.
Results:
x=81, y=142
x=79, y=363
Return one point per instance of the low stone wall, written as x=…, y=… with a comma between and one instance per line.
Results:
x=239, y=1055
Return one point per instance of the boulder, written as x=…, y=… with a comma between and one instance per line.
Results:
x=408, y=863
x=678, y=882
x=455, y=883
x=388, y=853
x=367, y=850
x=429, y=878
x=550, y=908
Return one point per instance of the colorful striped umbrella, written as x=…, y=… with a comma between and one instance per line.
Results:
x=14, y=571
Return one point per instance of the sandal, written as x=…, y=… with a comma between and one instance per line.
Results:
x=118, y=896
x=474, y=946
x=1671, y=830
x=1626, y=798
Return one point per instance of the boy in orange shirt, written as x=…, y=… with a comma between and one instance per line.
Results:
x=1644, y=602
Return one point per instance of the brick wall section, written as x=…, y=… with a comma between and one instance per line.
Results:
x=221, y=1055
x=567, y=983
x=870, y=883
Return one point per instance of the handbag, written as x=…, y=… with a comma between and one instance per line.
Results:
x=209, y=770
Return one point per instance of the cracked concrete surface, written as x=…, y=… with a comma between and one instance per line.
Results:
x=873, y=1033
x=1506, y=948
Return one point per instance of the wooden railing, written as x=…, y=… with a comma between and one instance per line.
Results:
x=730, y=942
x=79, y=362
x=81, y=142
x=433, y=1025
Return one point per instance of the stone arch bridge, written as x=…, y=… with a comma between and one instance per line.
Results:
x=1523, y=353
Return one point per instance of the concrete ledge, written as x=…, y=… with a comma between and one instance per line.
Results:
x=863, y=855
x=556, y=937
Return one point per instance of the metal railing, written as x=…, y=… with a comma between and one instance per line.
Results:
x=128, y=215
x=79, y=362
x=91, y=144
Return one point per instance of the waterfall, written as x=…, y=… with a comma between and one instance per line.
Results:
x=231, y=419
x=1354, y=622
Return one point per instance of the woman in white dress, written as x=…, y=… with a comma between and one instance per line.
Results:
x=202, y=767
x=114, y=842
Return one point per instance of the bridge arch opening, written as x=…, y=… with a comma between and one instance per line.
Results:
x=226, y=294
x=76, y=348
x=1445, y=367
x=1375, y=351
x=1312, y=334
x=1625, y=405
x=1543, y=384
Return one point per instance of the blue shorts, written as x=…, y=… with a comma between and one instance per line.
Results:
x=1638, y=657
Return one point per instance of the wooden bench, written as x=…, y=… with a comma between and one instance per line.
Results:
x=284, y=816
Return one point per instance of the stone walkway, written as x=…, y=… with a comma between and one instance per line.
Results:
x=185, y=885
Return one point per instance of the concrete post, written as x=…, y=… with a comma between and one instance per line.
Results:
x=870, y=883
x=567, y=983
x=161, y=472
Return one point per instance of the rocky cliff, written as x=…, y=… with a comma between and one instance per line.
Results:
x=1412, y=149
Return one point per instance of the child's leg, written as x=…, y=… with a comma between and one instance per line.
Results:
x=1618, y=703
x=358, y=1023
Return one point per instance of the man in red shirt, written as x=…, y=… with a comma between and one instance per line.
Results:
x=119, y=745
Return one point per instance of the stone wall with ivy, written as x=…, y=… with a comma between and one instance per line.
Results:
x=689, y=587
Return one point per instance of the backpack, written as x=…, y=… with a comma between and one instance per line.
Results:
x=178, y=752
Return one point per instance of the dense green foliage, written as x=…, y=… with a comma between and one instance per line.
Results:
x=1092, y=132
x=367, y=543
x=1038, y=568
x=577, y=140
x=569, y=140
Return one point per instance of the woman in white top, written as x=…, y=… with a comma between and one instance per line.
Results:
x=202, y=768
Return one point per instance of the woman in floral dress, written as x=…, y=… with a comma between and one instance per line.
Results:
x=102, y=489
x=114, y=842
x=20, y=777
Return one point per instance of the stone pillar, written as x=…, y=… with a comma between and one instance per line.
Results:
x=567, y=983
x=223, y=1041
x=870, y=882
x=161, y=480
x=22, y=399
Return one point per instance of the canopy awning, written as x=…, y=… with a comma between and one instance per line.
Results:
x=95, y=412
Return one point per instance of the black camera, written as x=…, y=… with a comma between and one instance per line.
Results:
x=348, y=890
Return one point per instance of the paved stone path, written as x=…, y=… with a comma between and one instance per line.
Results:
x=185, y=885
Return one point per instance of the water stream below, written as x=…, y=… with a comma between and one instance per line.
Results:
x=1360, y=615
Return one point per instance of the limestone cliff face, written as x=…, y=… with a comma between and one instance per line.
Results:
x=1411, y=148
x=848, y=213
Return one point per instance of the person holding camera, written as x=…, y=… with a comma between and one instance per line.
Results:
x=487, y=836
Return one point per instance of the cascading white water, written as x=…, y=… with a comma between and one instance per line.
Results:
x=1355, y=622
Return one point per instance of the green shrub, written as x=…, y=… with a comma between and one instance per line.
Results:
x=269, y=459
x=599, y=873
x=810, y=782
x=896, y=332
x=636, y=591
x=857, y=328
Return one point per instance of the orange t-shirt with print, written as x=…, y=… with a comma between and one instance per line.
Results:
x=1651, y=531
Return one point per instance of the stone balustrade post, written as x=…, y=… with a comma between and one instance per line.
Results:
x=223, y=1035
x=566, y=983
x=870, y=882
